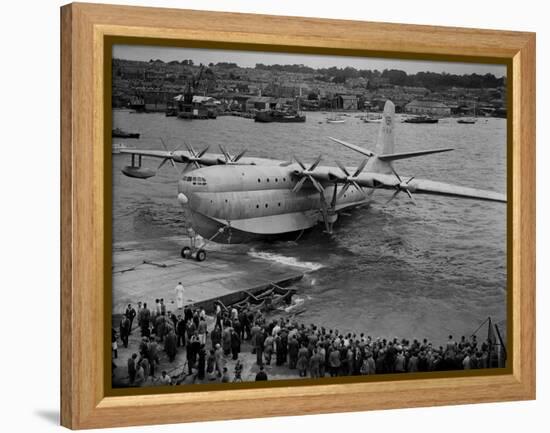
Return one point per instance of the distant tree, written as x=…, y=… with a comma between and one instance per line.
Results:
x=226, y=65
x=350, y=72
x=312, y=96
x=395, y=76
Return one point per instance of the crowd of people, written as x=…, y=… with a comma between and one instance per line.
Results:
x=310, y=351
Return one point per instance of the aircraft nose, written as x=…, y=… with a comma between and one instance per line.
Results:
x=182, y=186
x=182, y=192
x=182, y=198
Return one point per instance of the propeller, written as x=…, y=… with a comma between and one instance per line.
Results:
x=307, y=174
x=171, y=155
x=195, y=157
x=351, y=180
x=401, y=186
x=230, y=159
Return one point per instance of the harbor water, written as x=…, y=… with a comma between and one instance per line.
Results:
x=396, y=269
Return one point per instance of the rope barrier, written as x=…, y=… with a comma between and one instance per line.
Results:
x=479, y=327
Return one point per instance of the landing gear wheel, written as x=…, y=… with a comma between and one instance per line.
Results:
x=186, y=252
x=201, y=255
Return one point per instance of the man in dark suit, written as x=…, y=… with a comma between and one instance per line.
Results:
x=254, y=331
x=124, y=330
x=261, y=376
x=144, y=319
x=180, y=331
x=132, y=368
x=259, y=346
x=130, y=313
x=293, y=348
x=170, y=346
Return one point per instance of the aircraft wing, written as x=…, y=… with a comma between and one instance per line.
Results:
x=205, y=159
x=424, y=186
x=152, y=153
x=439, y=188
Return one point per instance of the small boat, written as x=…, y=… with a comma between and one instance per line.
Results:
x=372, y=118
x=117, y=147
x=336, y=118
x=272, y=297
x=468, y=120
x=421, y=119
x=119, y=133
x=171, y=112
x=279, y=117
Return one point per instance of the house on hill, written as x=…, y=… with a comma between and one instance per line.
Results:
x=345, y=102
x=260, y=103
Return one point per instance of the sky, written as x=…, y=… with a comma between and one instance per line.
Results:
x=250, y=58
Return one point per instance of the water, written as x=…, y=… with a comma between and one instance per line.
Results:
x=389, y=270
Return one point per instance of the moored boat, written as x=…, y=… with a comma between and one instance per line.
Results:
x=372, y=119
x=278, y=116
x=336, y=118
x=421, y=119
x=119, y=133
x=468, y=120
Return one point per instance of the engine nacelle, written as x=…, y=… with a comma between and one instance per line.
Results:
x=366, y=181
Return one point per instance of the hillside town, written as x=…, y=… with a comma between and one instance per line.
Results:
x=184, y=89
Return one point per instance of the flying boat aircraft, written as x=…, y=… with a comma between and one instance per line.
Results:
x=236, y=199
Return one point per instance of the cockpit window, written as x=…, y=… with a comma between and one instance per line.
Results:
x=195, y=180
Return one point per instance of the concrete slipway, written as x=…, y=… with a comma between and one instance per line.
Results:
x=148, y=269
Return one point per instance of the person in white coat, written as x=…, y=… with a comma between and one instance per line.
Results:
x=179, y=295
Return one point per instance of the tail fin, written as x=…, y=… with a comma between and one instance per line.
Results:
x=385, y=143
x=386, y=136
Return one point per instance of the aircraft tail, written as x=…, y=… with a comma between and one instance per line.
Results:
x=386, y=136
x=380, y=161
x=385, y=144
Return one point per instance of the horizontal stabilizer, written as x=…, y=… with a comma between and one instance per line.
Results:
x=359, y=149
x=405, y=155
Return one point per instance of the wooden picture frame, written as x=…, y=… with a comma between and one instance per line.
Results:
x=85, y=200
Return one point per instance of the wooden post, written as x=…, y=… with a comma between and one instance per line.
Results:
x=503, y=354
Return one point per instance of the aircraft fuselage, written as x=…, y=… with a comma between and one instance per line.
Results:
x=255, y=201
